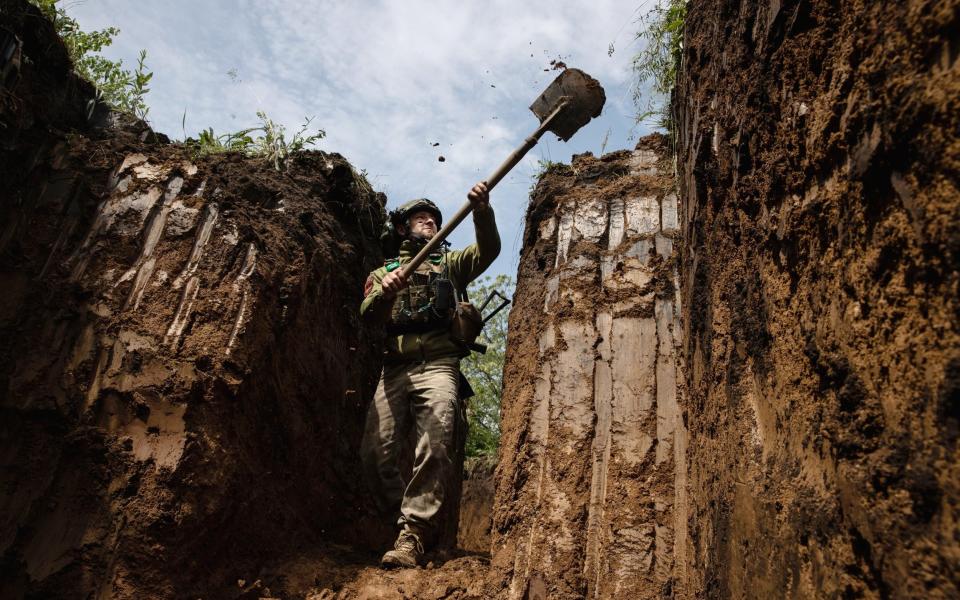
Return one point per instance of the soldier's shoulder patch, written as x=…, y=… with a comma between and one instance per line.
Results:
x=368, y=286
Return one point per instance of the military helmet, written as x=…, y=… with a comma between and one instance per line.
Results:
x=400, y=215
x=390, y=238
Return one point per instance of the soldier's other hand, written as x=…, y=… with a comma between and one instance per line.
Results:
x=393, y=282
x=479, y=195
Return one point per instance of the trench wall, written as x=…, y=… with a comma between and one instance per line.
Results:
x=589, y=487
x=183, y=373
x=818, y=157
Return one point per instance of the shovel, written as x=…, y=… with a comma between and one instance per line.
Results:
x=563, y=108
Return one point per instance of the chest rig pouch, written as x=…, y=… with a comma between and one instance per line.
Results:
x=427, y=303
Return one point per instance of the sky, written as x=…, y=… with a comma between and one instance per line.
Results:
x=387, y=81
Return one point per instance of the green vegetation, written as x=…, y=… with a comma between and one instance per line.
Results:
x=658, y=64
x=273, y=146
x=485, y=371
x=361, y=182
x=272, y=143
x=122, y=89
x=544, y=167
x=208, y=142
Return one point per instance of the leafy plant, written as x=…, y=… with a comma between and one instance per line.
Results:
x=485, y=371
x=121, y=88
x=208, y=142
x=271, y=145
x=544, y=167
x=659, y=62
x=138, y=89
x=361, y=182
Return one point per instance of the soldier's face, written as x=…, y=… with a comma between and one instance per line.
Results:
x=423, y=224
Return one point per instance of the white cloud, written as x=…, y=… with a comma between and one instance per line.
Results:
x=385, y=80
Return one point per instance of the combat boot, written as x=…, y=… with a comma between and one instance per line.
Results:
x=406, y=553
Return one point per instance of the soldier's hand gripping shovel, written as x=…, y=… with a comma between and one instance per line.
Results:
x=563, y=108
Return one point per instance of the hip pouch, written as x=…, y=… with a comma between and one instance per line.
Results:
x=465, y=326
x=468, y=321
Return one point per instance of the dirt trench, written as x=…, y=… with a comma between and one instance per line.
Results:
x=588, y=495
x=184, y=373
x=729, y=376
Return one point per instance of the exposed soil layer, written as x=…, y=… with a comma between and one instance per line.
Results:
x=476, y=506
x=183, y=373
x=819, y=157
x=591, y=456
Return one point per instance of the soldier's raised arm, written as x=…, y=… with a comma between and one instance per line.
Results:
x=473, y=260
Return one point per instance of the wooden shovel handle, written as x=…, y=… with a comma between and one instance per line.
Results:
x=491, y=182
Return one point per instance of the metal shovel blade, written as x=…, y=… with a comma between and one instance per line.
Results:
x=585, y=98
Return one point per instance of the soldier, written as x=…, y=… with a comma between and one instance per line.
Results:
x=421, y=373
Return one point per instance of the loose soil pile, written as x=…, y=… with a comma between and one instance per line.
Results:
x=819, y=153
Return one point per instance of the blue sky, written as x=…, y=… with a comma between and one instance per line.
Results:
x=386, y=80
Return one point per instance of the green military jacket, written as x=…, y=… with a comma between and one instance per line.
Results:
x=463, y=266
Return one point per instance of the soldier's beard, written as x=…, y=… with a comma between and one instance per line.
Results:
x=423, y=235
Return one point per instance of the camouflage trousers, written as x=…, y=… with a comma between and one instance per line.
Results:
x=424, y=396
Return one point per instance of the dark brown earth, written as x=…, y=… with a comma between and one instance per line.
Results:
x=183, y=373
x=476, y=505
x=819, y=157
